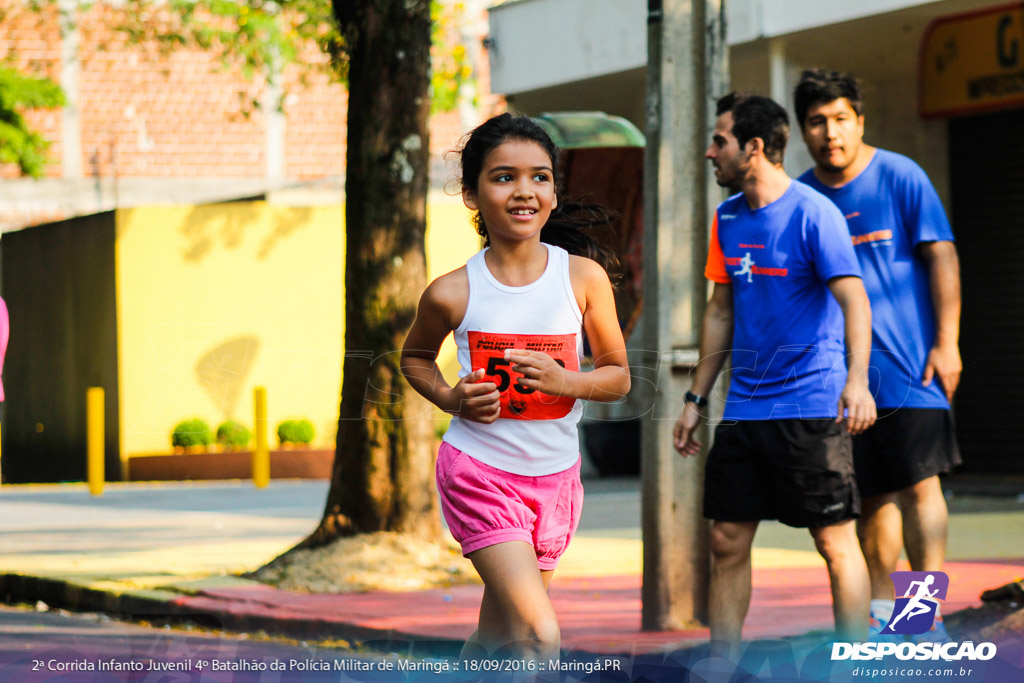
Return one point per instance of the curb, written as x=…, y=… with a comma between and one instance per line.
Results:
x=967, y=484
x=65, y=594
x=69, y=595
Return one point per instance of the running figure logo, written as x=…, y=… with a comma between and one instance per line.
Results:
x=747, y=269
x=915, y=610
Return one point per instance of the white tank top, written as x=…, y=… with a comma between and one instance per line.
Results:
x=536, y=433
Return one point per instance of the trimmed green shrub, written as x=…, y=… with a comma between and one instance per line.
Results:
x=233, y=434
x=194, y=432
x=295, y=431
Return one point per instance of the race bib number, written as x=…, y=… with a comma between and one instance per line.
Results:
x=487, y=351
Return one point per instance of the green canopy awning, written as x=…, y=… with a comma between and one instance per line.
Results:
x=579, y=129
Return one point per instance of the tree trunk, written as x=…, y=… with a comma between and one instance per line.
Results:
x=383, y=467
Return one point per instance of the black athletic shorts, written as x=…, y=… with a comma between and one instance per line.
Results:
x=799, y=472
x=905, y=446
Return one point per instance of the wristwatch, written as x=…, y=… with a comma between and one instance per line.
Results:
x=696, y=399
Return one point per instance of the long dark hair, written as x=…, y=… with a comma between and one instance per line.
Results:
x=571, y=223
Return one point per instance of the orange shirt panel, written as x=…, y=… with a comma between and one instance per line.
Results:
x=715, y=268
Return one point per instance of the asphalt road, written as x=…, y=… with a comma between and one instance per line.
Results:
x=51, y=646
x=40, y=518
x=59, y=646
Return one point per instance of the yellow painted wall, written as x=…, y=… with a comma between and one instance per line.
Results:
x=214, y=300
x=451, y=240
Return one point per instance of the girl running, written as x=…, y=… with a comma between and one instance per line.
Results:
x=508, y=470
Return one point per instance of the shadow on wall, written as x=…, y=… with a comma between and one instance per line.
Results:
x=206, y=226
x=223, y=370
x=283, y=229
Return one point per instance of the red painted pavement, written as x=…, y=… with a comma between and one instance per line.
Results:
x=596, y=614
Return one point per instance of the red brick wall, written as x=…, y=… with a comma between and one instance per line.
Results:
x=315, y=113
x=161, y=115
x=173, y=115
x=183, y=115
x=32, y=44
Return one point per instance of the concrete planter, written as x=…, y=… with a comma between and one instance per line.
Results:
x=304, y=463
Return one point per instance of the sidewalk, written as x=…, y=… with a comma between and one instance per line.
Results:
x=138, y=551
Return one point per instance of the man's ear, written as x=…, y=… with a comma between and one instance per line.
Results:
x=469, y=199
x=754, y=147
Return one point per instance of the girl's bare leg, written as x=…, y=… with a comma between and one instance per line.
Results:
x=515, y=612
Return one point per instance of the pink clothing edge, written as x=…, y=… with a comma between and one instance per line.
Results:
x=449, y=455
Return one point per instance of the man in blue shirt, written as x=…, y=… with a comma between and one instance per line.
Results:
x=905, y=247
x=787, y=293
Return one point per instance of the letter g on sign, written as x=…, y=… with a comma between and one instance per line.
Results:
x=1009, y=49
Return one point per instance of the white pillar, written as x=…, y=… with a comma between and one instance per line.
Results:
x=275, y=121
x=70, y=68
x=778, y=89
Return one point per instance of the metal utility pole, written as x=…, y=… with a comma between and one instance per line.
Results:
x=686, y=72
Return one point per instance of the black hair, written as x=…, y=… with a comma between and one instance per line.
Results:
x=754, y=116
x=569, y=223
x=818, y=86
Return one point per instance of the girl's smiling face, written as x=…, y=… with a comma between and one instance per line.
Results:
x=515, y=192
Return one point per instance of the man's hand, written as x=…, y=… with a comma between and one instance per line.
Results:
x=858, y=404
x=944, y=281
x=945, y=362
x=474, y=400
x=686, y=429
x=540, y=371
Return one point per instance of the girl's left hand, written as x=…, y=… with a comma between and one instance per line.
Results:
x=540, y=371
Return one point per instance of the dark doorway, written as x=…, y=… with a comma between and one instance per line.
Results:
x=987, y=176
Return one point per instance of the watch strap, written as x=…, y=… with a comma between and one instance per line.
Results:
x=696, y=399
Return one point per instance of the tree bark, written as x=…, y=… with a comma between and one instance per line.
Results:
x=383, y=468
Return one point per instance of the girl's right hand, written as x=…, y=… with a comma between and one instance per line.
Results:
x=474, y=400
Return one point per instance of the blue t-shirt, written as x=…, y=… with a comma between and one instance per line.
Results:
x=787, y=347
x=890, y=208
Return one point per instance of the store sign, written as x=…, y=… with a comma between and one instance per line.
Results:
x=973, y=62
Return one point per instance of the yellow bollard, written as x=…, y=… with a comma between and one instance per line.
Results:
x=261, y=456
x=94, y=439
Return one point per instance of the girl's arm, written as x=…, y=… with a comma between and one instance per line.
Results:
x=609, y=380
x=440, y=310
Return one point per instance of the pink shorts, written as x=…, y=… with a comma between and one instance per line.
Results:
x=485, y=506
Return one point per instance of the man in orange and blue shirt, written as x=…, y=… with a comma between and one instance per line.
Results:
x=787, y=294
